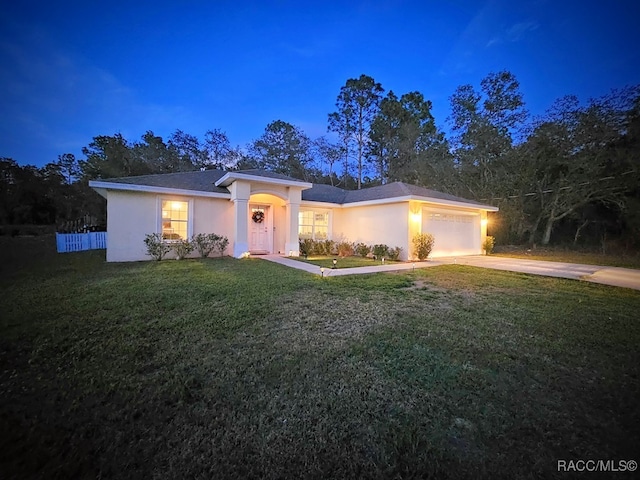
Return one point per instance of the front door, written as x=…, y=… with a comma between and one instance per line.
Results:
x=259, y=231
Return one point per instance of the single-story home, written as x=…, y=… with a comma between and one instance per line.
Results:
x=262, y=212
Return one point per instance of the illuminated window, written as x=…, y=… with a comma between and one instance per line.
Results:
x=175, y=220
x=313, y=225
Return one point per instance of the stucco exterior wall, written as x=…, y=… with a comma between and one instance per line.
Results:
x=395, y=224
x=213, y=215
x=372, y=224
x=132, y=215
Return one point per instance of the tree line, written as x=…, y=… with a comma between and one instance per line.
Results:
x=570, y=175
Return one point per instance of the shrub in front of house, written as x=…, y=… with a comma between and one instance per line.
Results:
x=221, y=244
x=422, y=245
x=305, y=245
x=363, y=249
x=394, y=253
x=156, y=246
x=183, y=248
x=205, y=243
x=326, y=247
x=345, y=249
x=309, y=246
x=380, y=250
x=488, y=245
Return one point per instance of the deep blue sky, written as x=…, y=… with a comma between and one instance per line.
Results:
x=70, y=71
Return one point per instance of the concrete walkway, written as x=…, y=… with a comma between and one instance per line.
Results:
x=619, y=277
x=330, y=272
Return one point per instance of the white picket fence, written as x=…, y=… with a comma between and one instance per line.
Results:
x=76, y=242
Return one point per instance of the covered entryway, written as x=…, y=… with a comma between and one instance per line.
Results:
x=456, y=232
x=260, y=229
x=265, y=213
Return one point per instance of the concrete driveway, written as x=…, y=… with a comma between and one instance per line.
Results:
x=616, y=276
x=619, y=277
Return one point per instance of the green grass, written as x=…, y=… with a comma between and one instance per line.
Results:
x=342, y=262
x=221, y=368
x=558, y=254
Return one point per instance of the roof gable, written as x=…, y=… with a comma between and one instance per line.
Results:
x=261, y=176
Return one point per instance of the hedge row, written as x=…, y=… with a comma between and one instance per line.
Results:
x=203, y=243
x=347, y=249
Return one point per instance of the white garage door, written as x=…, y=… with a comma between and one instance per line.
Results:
x=455, y=232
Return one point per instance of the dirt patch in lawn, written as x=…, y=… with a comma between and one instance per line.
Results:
x=311, y=319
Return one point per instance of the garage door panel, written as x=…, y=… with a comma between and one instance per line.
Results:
x=456, y=233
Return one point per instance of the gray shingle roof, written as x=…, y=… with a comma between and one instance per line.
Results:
x=203, y=181
x=324, y=193
x=327, y=193
x=200, y=181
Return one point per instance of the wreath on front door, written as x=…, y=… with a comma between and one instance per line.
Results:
x=258, y=216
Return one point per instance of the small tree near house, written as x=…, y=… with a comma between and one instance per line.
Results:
x=488, y=245
x=422, y=245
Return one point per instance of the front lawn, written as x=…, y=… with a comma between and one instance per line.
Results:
x=224, y=368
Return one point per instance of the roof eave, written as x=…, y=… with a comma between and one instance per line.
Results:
x=418, y=198
x=319, y=203
x=454, y=203
x=102, y=187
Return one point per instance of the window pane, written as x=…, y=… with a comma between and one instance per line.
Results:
x=305, y=218
x=313, y=225
x=322, y=233
x=305, y=231
x=175, y=217
x=321, y=219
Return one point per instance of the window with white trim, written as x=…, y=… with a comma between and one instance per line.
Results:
x=444, y=217
x=175, y=220
x=313, y=224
